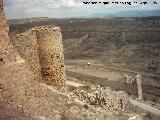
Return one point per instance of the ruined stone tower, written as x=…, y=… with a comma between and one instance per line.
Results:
x=51, y=55
x=139, y=86
x=42, y=48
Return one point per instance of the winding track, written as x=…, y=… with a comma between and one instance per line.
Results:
x=145, y=107
x=116, y=68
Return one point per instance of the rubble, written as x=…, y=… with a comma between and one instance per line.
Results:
x=103, y=97
x=136, y=117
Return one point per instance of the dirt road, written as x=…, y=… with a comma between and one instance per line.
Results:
x=98, y=64
x=145, y=107
x=111, y=76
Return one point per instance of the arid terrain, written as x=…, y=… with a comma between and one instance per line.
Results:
x=118, y=42
x=125, y=45
x=103, y=51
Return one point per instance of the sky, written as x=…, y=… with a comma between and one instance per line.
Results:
x=68, y=8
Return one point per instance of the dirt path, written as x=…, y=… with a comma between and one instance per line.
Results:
x=98, y=64
x=145, y=107
x=131, y=71
x=111, y=76
x=74, y=84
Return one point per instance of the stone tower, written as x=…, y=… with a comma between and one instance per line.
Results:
x=139, y=86
x=51, y=56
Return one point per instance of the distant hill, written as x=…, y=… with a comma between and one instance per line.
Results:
x=135, y=13
x=131, y=42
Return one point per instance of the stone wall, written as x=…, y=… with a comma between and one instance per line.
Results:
x=133, y=85
x=19, y=88
x=1, y=14
x=7, y=54
x=26, y=45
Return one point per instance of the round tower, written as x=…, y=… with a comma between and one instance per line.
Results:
x=51, y=55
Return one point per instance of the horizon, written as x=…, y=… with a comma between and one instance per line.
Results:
x=18, y=9
x=99, y=15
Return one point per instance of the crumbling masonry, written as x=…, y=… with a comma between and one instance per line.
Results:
x=42, y=48
x=19, y=86
x=103, y=97
x=26, y=45
x=50, y=51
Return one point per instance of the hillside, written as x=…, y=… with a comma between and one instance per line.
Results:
x=132, y=13
x=99, y=54
x=119, y=42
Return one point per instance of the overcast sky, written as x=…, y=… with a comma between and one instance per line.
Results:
x=67, y=8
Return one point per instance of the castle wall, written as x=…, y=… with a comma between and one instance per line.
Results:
x=6, y=49
x=2, y=14
x=42, y=48
x=19, y=88
x=51, y=55
x=26, y=45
